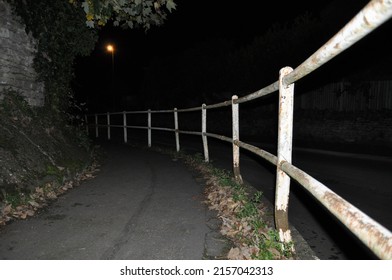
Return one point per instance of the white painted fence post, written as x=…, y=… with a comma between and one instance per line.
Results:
x=236, y=136
x=108, y=123
x=204, y=131
x=285, y=136
x=176, y=128
x=149, y=128
x=125, y=127
x=96, y=126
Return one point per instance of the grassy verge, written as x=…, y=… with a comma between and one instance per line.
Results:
x=245, y=219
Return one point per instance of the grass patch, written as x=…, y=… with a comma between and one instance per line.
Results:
x=241, y=210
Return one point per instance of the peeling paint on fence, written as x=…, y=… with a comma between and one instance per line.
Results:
x=204, y=132
x=236, y=136
x=285, y=139
x=376, y=237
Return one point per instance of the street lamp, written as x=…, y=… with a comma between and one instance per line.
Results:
x=110, y=48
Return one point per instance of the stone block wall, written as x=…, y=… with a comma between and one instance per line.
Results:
x=17, y=50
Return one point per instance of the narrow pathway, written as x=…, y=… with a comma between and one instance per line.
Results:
x=141, y=205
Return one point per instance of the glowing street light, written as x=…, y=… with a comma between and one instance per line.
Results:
x=110, y=48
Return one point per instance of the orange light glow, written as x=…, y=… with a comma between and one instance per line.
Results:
x=110, y=48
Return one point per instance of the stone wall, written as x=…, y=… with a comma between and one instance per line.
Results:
x=16, y=58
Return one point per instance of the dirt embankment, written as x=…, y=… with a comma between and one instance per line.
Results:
x=38, y=157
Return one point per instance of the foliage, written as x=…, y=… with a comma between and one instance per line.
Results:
x=14, y=198
x=127, y=13
x=14, y=104
x=62, y=35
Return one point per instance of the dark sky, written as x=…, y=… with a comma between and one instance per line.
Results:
x=237, y=21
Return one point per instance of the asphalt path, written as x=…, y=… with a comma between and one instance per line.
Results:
x=111, y=214
x=363, y=180
x=142, y=205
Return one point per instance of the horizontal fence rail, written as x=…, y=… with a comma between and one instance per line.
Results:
x=376, y=237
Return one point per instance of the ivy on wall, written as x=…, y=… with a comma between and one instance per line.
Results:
x=61, y=33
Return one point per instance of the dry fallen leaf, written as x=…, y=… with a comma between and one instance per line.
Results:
x=39, y=190
x=51, y=195
x=34, y=204
x=7, y=209
x=30, y=212
x=234, y=254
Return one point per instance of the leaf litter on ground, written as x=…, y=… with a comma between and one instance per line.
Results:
x=242, y=219
x=42, y=195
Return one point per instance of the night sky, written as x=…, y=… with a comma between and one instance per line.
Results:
x=239, y=22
